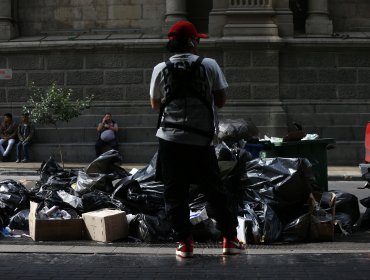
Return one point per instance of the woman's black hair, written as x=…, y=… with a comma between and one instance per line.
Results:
x=178, y=45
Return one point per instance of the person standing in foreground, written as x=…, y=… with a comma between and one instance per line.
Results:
x=185, y=89
x=8, y=135
x=26, y=130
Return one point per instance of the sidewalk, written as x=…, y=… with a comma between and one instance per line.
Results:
x=335, y=173
x=358, y=242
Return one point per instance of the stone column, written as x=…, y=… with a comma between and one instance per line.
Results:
x=7, y=26
x=175, y=11
x=318, y=22
x=250, y=18
x=283, y=17
x=217, y=18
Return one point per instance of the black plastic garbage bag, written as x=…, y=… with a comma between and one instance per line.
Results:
x=365, y=219
x=224, y=153
x=96, y=200
x=63, y=200
x=150, y=228
x=89, y=182
x=62, y=180
x=108, y=163
x=13, y=198
x=297, y=230
x=237, y=129
x=266, y=225
x=206, y=231
x=20, y=220
x=365, y=202
x=346, y=203
x=287, y=182
x=147, y=198
x=48, y=168
x=147, y=174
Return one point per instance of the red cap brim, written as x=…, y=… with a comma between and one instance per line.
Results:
x=201, y=35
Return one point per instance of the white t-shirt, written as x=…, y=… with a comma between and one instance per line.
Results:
x=215, y=81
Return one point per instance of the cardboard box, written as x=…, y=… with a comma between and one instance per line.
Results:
x=106, y=224
x=54, y=230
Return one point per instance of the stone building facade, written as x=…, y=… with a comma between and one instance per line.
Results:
x=304, y=61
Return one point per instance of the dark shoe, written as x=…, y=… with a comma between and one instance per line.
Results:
x=5, y=159
x=18, y=160
x=185, y=249
x=232, y=247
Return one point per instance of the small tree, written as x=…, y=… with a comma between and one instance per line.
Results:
x=53, y=105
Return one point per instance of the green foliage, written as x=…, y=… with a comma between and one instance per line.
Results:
x=54, y=104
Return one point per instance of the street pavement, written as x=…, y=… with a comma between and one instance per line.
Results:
x=345, y=258
x=273, y=266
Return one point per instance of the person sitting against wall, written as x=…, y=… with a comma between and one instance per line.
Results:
x=8, y=135
x=107, y=130
x=26, y=130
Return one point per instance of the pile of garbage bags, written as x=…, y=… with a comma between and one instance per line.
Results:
x=275, y=198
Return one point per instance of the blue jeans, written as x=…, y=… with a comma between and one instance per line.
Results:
x=23, y=146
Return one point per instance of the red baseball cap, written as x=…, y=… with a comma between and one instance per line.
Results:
x=183, y=30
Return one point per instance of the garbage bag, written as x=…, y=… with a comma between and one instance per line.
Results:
x=147, y=198
x=62, y=199
x=107, y=163
x=224, y=153
x=96, y=200
x=346, y=203
x=286, y=182
x=62, y=180
x=20, y=220
x=322, y=227
x=48, y=168
x=13, y=198
x=266, y=225
x=149, y=228
x=206, y=231
x=147, y=173
x=365, y=219
x=235, y=130
x=89, y=182
x=365, y=202
x=297, y=230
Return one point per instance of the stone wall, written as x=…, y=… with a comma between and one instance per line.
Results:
x=65, y=16
x=350, y=15
x=322, y=84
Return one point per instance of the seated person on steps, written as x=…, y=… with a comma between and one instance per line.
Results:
x=26, y=130
x=107, y=130
x=8, y=135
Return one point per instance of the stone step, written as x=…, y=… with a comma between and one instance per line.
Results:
x=344, y=153
x=84, y=135
x=85, y=152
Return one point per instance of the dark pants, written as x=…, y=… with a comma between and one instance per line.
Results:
x=182, y=165
x=100, y=144
x=23, y=146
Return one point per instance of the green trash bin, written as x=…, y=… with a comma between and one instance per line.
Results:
x=314, y=151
